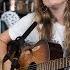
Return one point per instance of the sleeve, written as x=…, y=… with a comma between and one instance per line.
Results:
x=21, y=26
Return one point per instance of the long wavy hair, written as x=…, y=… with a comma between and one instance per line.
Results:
x=67, y=25
x=46, y=18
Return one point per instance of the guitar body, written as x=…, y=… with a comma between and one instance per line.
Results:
x=42, y=52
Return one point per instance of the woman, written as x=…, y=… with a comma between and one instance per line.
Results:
x=54, y=24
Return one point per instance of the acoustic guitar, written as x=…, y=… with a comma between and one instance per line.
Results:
x=37, y=57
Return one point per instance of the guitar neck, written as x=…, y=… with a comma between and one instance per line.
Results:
x=55, y=64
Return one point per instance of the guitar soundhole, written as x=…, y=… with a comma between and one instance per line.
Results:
x=32, y=66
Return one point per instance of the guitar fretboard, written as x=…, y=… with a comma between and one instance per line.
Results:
x=51, y=65
x=55, y=64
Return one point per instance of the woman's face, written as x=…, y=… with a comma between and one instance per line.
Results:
x=51, y=3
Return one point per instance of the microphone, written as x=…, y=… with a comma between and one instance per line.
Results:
x=13, y=50
x=14, y=46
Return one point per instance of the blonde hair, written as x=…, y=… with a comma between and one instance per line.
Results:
x=67, y=24
x=46, y=17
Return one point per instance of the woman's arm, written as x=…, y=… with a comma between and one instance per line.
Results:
x=4, y=39
x=12, y=33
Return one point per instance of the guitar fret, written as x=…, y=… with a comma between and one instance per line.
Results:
x=44, y=66
x=56, y=64
x=61, y=63
x=66, y=62
x=47, y=66
x=52, y=65
x=69, y=60
x=39, y=67
x=50, y=62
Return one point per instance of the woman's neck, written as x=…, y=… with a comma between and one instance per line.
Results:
x=58, y=12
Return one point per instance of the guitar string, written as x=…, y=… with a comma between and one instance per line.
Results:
x=42, y=66
x=32, y=66
x=44, y=63
x=38, y=65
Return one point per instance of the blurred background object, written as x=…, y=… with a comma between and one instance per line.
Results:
x=12, y=5
x=20, y=7
x=24, y=6
x=10, y=18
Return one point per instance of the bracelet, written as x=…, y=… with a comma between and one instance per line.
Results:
x=2, y=41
